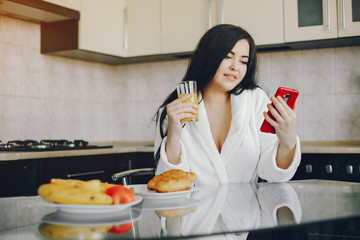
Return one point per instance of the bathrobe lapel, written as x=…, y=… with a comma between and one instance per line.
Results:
x=240, y=119
x=202, y=133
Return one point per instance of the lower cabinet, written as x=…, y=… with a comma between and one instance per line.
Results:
x=23, y=177
x=341, y=167
x=18, y=178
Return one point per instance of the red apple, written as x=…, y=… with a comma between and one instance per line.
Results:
x=120, y=194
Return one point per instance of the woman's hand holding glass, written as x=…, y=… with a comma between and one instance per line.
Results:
x=178, y=109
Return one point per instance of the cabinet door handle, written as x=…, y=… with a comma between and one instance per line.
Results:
x=349, y=169
x=85, y=173
x=308, y=168
x=125, y=28
x=328, y=14
x=343, y=14
x=329, y=168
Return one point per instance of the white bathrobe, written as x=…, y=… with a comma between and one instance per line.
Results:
x=246, y=153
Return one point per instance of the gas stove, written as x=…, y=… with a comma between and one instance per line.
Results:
x=47, y=145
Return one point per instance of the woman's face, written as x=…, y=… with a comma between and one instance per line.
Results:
x=232, y=68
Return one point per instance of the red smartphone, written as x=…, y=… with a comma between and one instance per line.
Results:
x=289, y=96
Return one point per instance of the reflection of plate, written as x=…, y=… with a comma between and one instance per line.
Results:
x=174, y=203
x=89, y=209
x=141, y=189
x=104, y=219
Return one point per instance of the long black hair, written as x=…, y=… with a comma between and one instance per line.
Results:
x=212, y=48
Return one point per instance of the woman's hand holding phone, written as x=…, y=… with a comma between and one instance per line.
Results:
x=281, y=119
x=284, y=121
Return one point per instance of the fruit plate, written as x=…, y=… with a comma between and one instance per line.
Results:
x=141, y=189
x=92, y=209
x=98, y=219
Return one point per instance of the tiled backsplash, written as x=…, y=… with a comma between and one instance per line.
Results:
x=44, y=96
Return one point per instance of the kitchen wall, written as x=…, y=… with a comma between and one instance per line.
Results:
x=44, y=96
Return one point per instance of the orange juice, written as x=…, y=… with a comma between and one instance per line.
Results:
x=194, y=100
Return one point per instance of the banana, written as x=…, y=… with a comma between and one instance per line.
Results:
x=68, y=195
x=72, y=232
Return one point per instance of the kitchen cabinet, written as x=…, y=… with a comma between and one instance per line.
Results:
x=321, y=19
x=102, y=27
x=72, y=4
x=120, y=27
x=184, y=22
x=341, y=167
x=263, y=19
x=23, y=177
x=18, y=178
x=142, y=21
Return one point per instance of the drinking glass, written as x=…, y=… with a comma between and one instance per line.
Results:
x=188, y=87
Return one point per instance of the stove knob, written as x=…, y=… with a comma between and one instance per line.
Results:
x=349, y=169
x=329, y=168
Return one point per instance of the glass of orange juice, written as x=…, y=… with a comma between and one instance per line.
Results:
x=188, y=87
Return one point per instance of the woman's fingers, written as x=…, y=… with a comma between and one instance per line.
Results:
x=181, y=108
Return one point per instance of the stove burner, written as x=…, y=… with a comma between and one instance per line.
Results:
x=47, y=145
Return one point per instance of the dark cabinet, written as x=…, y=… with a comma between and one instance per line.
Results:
x=341, y=167
x=23, y=177
x=18, y=178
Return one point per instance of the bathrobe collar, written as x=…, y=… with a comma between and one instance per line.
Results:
x=239, y=124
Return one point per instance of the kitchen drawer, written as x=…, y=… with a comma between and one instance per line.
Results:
x=341, y=167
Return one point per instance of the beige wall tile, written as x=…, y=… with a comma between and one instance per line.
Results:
x=8, y=30
x=8, y=69
x=45, y=96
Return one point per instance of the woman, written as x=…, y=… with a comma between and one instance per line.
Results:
x=226, y=145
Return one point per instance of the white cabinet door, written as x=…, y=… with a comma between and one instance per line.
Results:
x=349, y=18
x=102, y=26
x=311, y=20
x=183, y=22
x=143, y=27
x=263, y=19
x=72, y=4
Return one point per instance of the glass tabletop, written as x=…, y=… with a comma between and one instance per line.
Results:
x=216, y=211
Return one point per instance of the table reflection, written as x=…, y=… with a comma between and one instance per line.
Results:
x=224, y=209
x=238, y=211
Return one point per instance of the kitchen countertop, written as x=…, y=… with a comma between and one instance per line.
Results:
x=330, y=147
x=118, y=147
x=236, y=211
x=147, y=146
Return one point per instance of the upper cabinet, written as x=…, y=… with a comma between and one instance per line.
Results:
x=102, y=26
x=321, y=19
x=184, y=22
x=349, y=21
x=142, y=21
x=120, y=27
x=263, y=19
x=132, y=31
x=72, y=4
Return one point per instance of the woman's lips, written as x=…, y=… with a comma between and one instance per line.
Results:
x=230, y=76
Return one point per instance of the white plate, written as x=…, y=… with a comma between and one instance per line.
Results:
x=102, y=219
x=141, y=189
x=90, y=209
x=174, y=203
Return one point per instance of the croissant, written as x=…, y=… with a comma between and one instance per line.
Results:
x=172, y=181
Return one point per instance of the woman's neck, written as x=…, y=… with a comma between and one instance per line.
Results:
x=215, y=97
